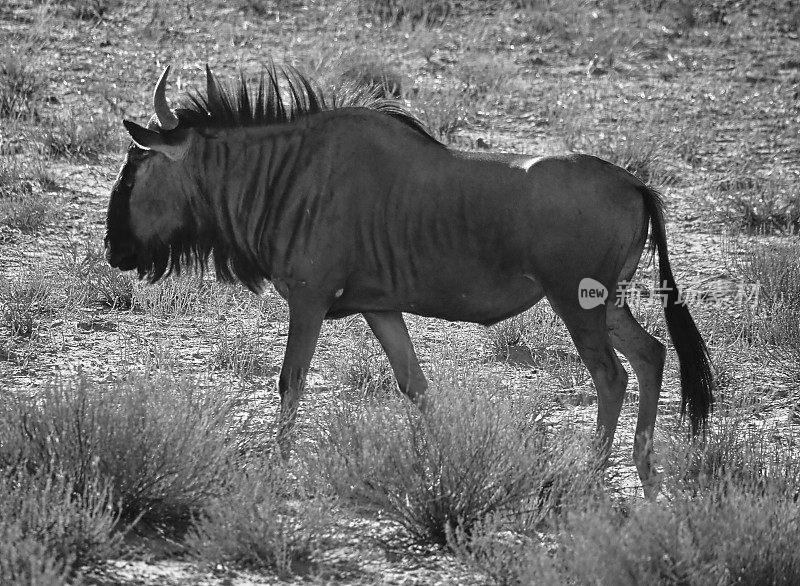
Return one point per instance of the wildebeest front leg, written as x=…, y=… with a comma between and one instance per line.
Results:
x=390, y=329
x=305, y=322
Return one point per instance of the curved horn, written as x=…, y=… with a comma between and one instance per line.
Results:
x=166, y=117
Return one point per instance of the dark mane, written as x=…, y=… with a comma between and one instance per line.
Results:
x=240, y=105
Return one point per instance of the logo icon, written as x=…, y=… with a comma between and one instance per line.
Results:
x=591, y=293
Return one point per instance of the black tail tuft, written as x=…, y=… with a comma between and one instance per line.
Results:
x=697, y=378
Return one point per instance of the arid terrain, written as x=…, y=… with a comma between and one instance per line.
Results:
x=151, y=408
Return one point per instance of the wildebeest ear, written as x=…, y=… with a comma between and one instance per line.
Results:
x=173, y=146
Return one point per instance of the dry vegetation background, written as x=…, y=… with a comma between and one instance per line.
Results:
x=136, y=422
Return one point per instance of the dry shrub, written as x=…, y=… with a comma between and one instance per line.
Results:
x=537, y=338
x=735, y=537
x=508, y=558
x=162, y=444
x=25, y=561
x=49, y=527
x=775, y=267
x=477, y=451
x=262, y=521
x=26, y=212
x=729, y=514
x=741, y=452
x=511, y=333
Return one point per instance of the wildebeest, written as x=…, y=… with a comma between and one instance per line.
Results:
x=353, y=207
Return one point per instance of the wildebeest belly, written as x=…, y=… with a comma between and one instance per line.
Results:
x=485, y=298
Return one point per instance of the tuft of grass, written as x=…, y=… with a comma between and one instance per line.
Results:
x=76, y=136
x=372, y=72
x=774, y=316
x=261, y=522
x=162, y=444
x=27, y=213
x=485, y=73
x=22, y=204
x=89, y=278
x=363, y=365
x=444, y=111
x=760, y=203
x=50, y=527
x=476, y=452
x=775, y=267
x=13, y=181
x=637, y=153
x=171, y=296
x=510, y=334
x=429, y=13
x=93, y=10
x=21, y=86
x=240, y=353
x=24, y=299
x=534, y=338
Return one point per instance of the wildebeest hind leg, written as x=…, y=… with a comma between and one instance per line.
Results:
x=590, y=335
x=646, y=356
x=305, y=322
x=390, y=329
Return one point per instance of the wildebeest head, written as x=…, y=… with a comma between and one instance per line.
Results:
x=173, y=201
x=151, y=225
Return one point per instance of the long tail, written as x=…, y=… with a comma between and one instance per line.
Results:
x=697, y=378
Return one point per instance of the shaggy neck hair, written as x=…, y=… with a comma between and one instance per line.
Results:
x=241, y=106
